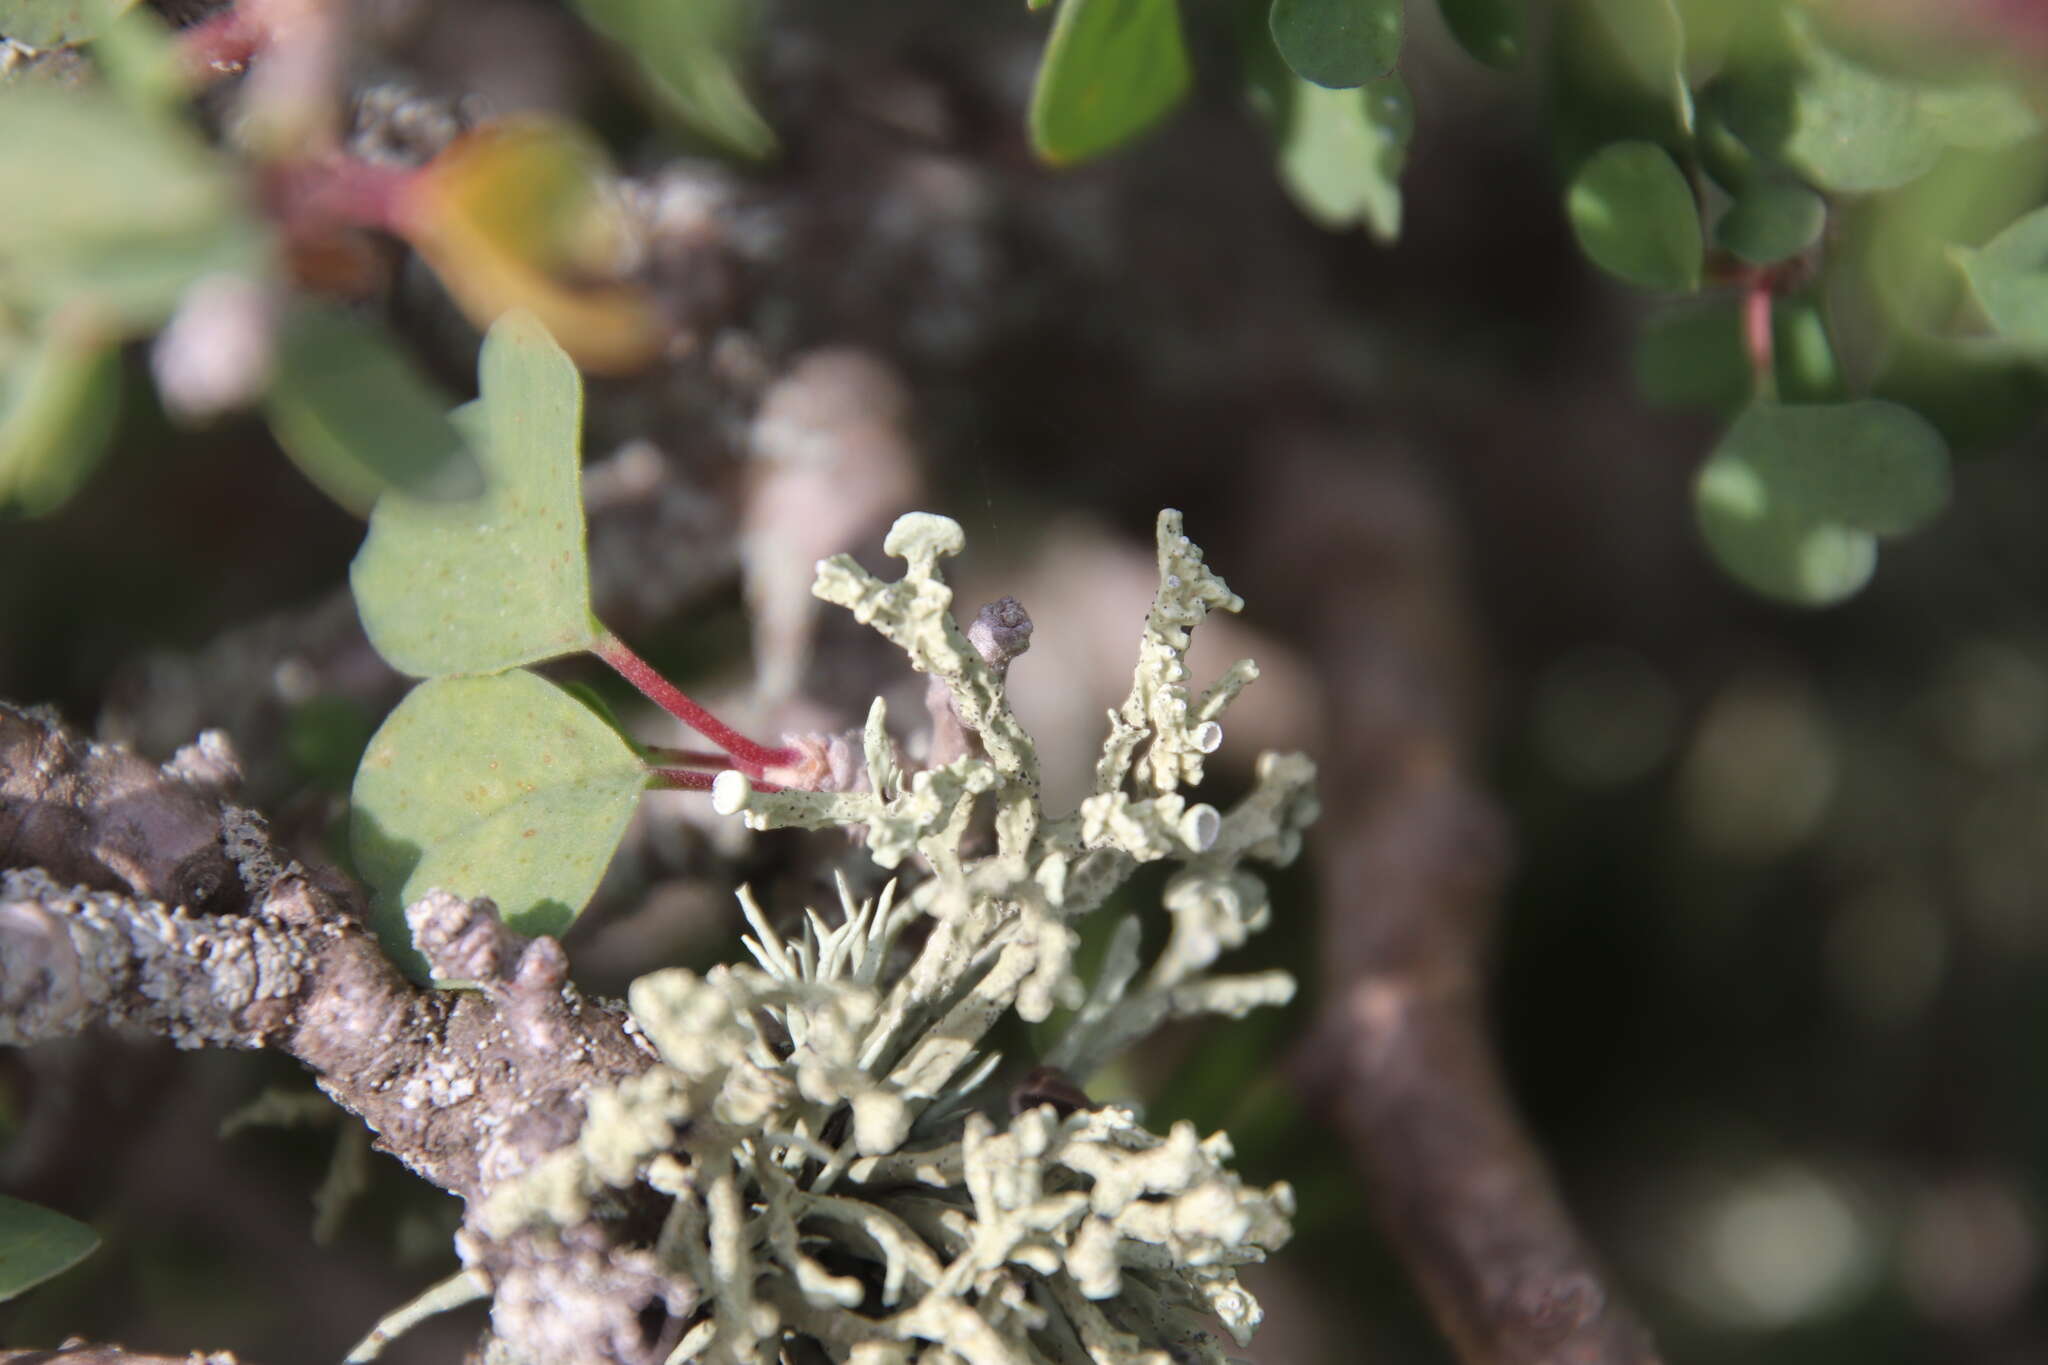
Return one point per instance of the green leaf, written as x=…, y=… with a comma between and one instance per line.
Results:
x=357, y=418
x=324, y=739
x=1111, y=70
x=1725, y=157
x=1980, y=114
x=138, y=54
x=1634, y=216
x=58, y=409
x=1648, y=36
x=37, y=1243
x=1495, y=32
x=114, y=206
x=480, y=586
x=1980, y=393
x=1690, y=355
x=57, y=23
x=1807, y=368
x=691, y=52
x=1854, y=130
x=2009, y=277
x=1794, y=499
x=1842, y=126
x=500, y=786
x=1342, y=154
x=599, y=707
x=1772, y=220
x=1338, y=44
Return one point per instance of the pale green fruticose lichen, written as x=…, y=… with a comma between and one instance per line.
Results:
x=821, y=1121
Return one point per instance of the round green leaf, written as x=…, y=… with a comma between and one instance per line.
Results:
x=2009, y=276
x=1634, y=216
x=1854, y=129
x=1337, y=44
x=328, y=363
x=1847, y=128
x=1495, y=32
x=501, y=786
x=1772, y=220
x=1794, y=498
x=1111, y=69
x=37, y=1243
x=503, y=579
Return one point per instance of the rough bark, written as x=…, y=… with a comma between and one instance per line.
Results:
x=466, y=1087
x=107, y=1353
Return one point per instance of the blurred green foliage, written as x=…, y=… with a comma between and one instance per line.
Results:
x=36, y=1243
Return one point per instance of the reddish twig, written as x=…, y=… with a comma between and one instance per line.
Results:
x=750, y=758
x=690, y=780
x=687, y=758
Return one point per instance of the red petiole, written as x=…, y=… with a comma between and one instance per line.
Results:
x=1758, y=293
x=747, y=756
x=691, y=780
x=222, y=43
x=688, y=758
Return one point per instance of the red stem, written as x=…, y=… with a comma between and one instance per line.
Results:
x=750, y=758
x=688, y=758
x=221, y=43
x=690, y=780
x=315, y=197
x=1758, y=292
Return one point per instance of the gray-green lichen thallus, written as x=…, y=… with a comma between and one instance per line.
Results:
x=836, y=1162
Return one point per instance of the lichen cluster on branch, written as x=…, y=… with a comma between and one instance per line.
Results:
x=820, y=1123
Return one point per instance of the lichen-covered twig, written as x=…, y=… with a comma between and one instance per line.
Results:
x=468, y=1088
x=807, y=1148
x=80, y=1352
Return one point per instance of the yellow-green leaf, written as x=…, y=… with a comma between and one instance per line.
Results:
x=502, y=786
x=1112, y=69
